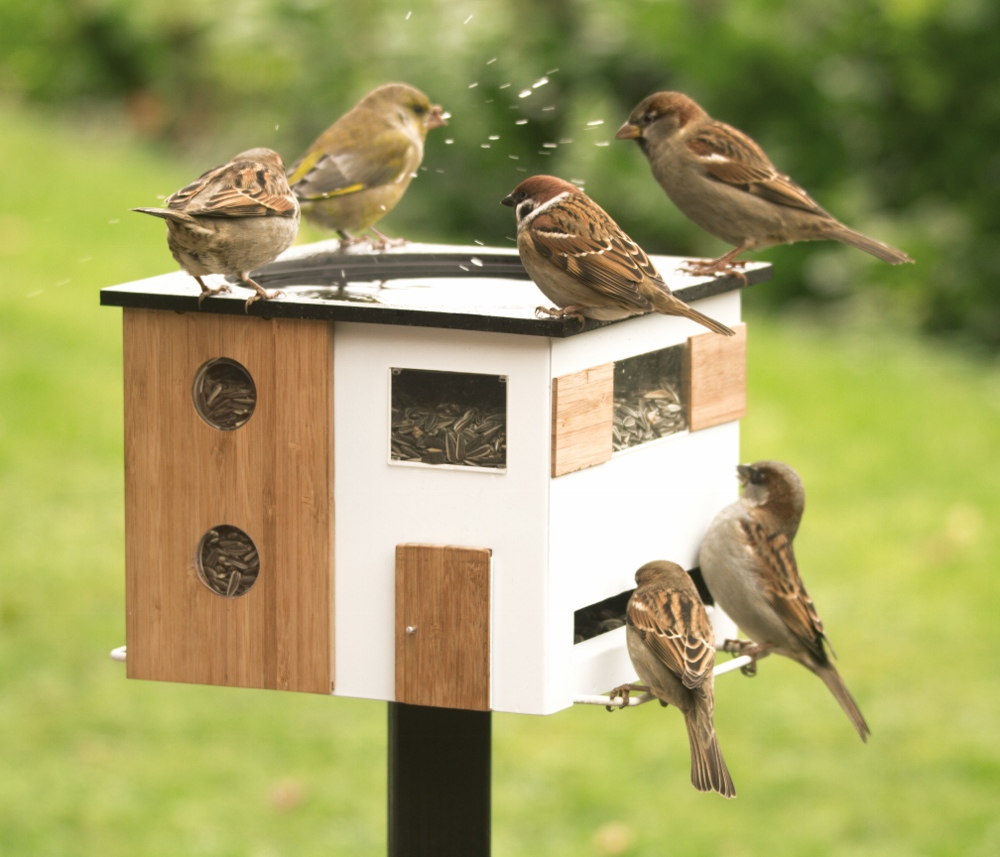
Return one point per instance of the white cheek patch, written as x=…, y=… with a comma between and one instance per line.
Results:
x=531, y=215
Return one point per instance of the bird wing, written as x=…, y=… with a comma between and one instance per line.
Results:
x=731, y=157
x=604, y=258
x=378, y=160
x=676, y=630
x=236, y=189
x=778, y=576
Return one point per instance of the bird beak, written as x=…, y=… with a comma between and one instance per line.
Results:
x=743, y=473
x=628, y=131
x=508, y=200
x=436, y=118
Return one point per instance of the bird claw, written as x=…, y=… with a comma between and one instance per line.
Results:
x=696, y=268
x=382, y=241
x=623, y=691
x=749, y=648
x=565, y=312
x=209, y=290
x=261, y=294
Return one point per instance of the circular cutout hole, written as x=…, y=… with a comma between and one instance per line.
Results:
x=227, y=561
x=225, y=395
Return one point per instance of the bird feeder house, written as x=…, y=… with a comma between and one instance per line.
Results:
x=395, y=482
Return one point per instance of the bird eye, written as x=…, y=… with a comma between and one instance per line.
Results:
x=648, y=117
x=419, y=109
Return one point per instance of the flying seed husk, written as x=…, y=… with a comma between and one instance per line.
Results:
x=645, y=415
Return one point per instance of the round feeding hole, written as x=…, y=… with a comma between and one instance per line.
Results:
x=227, y=561
x=224, y=394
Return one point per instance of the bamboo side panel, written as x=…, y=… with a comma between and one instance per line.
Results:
x=443, y=626
x=582, y=418
x=272, y=478
x=716, y=378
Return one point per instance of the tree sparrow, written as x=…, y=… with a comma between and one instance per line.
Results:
x=672, y=648
x=583, y=262
x=722, y=180
x=233, y=219
x=748, y=564
x=356, y=171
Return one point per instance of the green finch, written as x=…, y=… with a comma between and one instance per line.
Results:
x=358, y=169
x=231, y=220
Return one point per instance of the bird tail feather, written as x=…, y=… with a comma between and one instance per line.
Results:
x=869, y=245
x=831, y=678
x=708, y=769
x=671, y=305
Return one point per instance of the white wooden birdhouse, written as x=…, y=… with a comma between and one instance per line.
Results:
x=394, y=482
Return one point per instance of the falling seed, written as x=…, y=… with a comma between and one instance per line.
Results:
x=383, y=207
x=503, y=86
x=543, y=152
x=521, y=169
x=540, y=82
x=34, y=294
x=520, y=121
x=466, y=21
x=448, y=142
x=603, y=143
x=63, y=283
x=114, y=221
x=477, y=262
x=490, y=62
x=549, y=145
x=408, y=15
x=580, y=182
x=514, y=157
x=552, y=71
x=547, y=109
x=565, y=140
x=276, y=127
x=484, y=145
x=493, y=137
x=463, y=267
x=524, y=93
x=480, y=243
x=439, y=171
x=595, y=123
x=473, y=85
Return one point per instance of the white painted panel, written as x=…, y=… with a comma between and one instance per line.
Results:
x=638, y=335
x=379, y=505
x=655, y=502
x=602, y=663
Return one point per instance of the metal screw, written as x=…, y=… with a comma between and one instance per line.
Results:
x=411, y=629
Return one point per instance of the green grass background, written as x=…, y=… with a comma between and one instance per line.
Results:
x=898, y=443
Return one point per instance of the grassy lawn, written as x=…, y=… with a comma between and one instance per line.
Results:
x=899, y=447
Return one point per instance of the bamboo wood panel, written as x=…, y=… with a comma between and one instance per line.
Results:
x=582, y=418
x=716, y=378
x=272, y=478
x=443, y=594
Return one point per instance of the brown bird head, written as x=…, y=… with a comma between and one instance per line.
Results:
x=267, y=157
x=664, y=573
x=777, y=489
x=658, y=117
x=536, y=191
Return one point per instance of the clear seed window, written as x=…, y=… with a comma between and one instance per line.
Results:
x=648, y=397
x=227, y=561
x=225, y=395
x=449, y=418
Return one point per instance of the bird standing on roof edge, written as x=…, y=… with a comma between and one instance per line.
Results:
x=721, y=180
x=358, y=169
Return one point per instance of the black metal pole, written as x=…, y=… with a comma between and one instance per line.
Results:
x=439, y=782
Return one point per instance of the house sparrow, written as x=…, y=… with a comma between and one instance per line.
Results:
x=233, y=219
x=672, y=648
x=356, y=171
x=748, y=564
x=722, y=180
x=583, y=262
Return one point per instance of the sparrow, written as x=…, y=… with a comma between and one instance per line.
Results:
x=748, y=563
x=721, y=180
x=358, y=169
x=232, y=219
x=583, y=262
x=672, y=648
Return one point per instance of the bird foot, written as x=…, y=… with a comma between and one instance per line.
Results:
x=565, y=312
x=260, y=293
x=382, y=241
x=751, y=650
x=348, y=240
x=210, y=290
x=697, y=268
x=623, y=691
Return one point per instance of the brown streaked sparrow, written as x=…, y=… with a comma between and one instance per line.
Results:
x=748, y=563
x=583, y=262
x=721, y=180
x=672, y=648
x=231, y=220
x=358, y=169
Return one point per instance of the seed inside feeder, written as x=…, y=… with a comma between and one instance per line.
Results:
x=224, y=394
x=227, y=561
x=647, y=398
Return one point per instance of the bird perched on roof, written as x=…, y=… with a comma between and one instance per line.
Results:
x=358, y=169
x=672, y=648
x=583, y=262
x=232, y=219
x=748, y=563
x=721, y=180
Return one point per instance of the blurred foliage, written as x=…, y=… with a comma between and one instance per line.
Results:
x=886, y=110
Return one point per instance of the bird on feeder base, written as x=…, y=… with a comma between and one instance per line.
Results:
x=721, y=180
x=234, y=218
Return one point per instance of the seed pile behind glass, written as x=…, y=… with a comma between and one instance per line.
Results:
x=645, y=415
x=225, y=395
x=229, y=561
x=450, y=433
x=596, y=620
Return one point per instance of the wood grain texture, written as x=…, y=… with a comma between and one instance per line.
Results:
x=715, y=378
x=272, y=478
x=443, y=591
x=582, y=418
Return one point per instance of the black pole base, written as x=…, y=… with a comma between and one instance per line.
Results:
x=439, y=782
